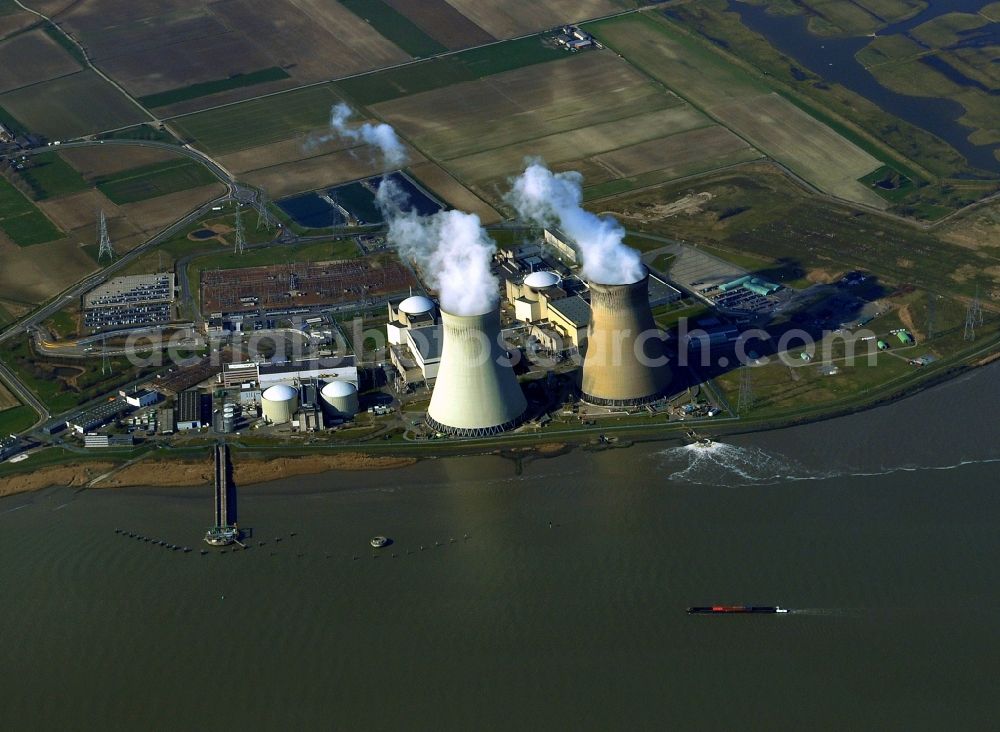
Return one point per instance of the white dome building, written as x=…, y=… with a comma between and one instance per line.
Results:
x=340, y=399
x=416, y=305
x=542, y=280
x=279, y=403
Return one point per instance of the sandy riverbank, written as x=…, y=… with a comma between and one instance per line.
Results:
x=72, y=476
x=181, y=473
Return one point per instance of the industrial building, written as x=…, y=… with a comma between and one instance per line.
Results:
x=625, y=362
x=139, y=397
x=415, y=311
x=91, y=441
x=418, y=358
x=96, y=417
x=265, y=375
x=9, y=446
x=476, y=392
x=190, y=410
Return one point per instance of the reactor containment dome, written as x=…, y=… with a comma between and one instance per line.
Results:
x=416, y=305
x=340, y=398
x=279, y=403
x=476, y=392
x=625, y=362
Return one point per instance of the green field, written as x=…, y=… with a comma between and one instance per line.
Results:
x=259, y=121
x=202, y=89
x=150, y=181
x=50, y=176
x=475, y=63
x=411, y=79
x=140, y=132
x=396, y=27
x=59, y=37
x=12, y=123
x=21, y=220
x=16, y=419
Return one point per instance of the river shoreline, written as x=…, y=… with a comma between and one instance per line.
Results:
x=250, y=468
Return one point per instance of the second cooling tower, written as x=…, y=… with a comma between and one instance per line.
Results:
x=624, y=364
x=476, y=392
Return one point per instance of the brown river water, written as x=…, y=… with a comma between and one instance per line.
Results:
x=881, y=531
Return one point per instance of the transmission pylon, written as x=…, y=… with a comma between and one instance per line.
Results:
x=745, y=403
x=105, y=361
x=973, y=317
x=104, y=240
x=931, y=305
x=265, y=219
x=240, y=242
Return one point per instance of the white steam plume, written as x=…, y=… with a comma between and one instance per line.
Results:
x=554, y=199
x=451, y=248
x=381, y=136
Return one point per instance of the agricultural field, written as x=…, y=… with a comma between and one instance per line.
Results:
x=575, y=113
x=442, y=22
x=438, y=73
x=326, y=169
x=439, y=182
x=395, y=26
x=150, y=181
x=204, y=88
x=32, y=57
x=96, y=161
x=175, y=46
x=71, y=106
x=49, y=175
x=259, y=122
x=744, y=104
x=21, y=221
x=508, y=18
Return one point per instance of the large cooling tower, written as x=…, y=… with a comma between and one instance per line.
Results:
x=476, y=392
x=624, y=364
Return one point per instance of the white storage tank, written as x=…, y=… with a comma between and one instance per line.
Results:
x=340, y=398
x=279, y=403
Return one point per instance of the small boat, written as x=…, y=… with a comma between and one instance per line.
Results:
x=737, y=610
x=379, y=541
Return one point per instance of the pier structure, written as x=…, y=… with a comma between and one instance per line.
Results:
x=225, y=531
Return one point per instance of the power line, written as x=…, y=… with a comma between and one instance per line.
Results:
x=973, y=317
x=745, y=403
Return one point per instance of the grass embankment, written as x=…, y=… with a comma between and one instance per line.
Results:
x=16, y=419
x=204, y=88
x=21, y=220
x=150, y=181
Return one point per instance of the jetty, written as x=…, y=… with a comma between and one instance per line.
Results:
x=225, y=531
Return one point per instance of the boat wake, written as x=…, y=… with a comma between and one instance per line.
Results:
x=719, y=464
